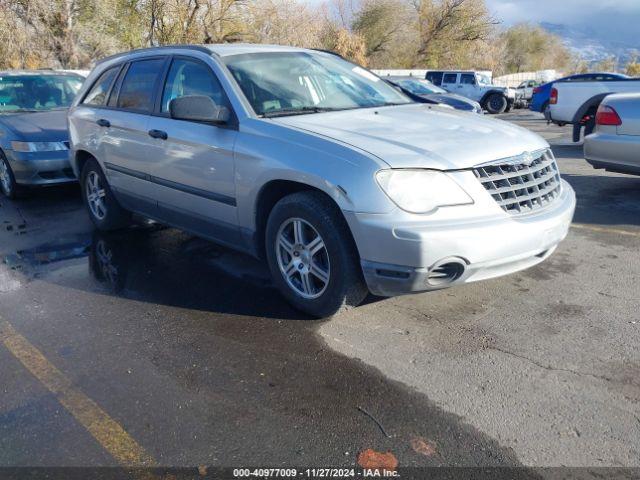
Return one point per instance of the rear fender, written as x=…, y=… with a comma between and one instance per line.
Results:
x=590, y=104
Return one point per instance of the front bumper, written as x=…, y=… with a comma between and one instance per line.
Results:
x=418, y=257
x=616, y=153
x=41, y=168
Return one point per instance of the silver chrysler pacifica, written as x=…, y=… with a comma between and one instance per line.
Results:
x=344, y=185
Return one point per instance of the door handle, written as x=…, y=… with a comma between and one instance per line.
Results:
x=104, y=123
x=158, y=134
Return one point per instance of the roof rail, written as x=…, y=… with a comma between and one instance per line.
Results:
x=327, y=51
x=199, y=48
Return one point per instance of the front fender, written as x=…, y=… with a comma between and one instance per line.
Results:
x=491, y=92
x=267, y=152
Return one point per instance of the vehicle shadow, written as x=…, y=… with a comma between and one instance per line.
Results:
x=165, y=266
x=212, y=329
x=43, y=197
x=606, y=199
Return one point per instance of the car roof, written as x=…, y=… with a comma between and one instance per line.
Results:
x=225, y=49
x=218, y=49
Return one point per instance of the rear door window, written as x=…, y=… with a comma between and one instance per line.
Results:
x=98, y=93
x=467, y=79
x=139, y=84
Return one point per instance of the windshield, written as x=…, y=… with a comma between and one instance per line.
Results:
x=289, y=83
x=419, y=87
x=19, y=93
x=483, y=79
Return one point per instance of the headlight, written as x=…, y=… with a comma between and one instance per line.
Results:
x=421, y=191
x=38, y=146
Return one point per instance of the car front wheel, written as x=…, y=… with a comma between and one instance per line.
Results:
x=496, y=103
x=104, y=210
x=312, y=256
x=7, y=180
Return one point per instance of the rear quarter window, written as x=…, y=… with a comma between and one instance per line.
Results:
x=98, y=93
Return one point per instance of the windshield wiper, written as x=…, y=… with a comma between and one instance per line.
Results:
x=296, y=111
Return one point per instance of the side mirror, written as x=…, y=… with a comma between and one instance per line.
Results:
x=198, y=108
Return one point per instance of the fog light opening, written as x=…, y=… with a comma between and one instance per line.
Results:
x=446, y=272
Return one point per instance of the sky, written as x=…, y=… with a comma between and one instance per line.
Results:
x=615, y=19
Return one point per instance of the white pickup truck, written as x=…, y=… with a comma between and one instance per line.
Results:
x=577, y=102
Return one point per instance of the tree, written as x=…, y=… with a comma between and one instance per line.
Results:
x=284, y=22
x=448, y=28
x=530, y=48
x=633, y=66
x=377, y=22
x=345, y=43
x=605, y=65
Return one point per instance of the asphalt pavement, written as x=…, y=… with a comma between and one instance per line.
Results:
x=152, y=347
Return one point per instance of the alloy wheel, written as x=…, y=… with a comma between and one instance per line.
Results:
x=96, y=195
x=303, y=258
x=105, y=259
x=496, y=102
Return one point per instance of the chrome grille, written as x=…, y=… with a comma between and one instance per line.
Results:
x=519, y=185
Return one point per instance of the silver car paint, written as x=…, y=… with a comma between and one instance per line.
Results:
x=617, y=148
x=338, y=153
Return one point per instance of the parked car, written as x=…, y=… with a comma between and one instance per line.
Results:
x=542, y=93
x=476, y=86
x=615, y=143
x=577, y=102
x=526, y=89
x=34, y=141
x=427, y=90
x=298, y=156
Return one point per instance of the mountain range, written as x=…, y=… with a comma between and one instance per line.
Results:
x=593, y=44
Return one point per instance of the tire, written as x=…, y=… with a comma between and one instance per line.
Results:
x=8, y=185
x=110, y=216
x=590, y=126
x=546, y=111
x=311, y=214
x=496, y=103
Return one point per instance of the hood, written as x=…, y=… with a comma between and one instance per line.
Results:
x=453, y=100
x=46, y=126
x=421, y=136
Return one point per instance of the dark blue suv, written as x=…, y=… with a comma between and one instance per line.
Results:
x=541, y=94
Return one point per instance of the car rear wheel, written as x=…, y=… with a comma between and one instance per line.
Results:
x=104, y=210
x=7, y=180
x=312, y=256
x=496, y=103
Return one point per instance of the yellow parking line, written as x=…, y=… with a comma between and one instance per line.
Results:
x=582, y=226
x=98, y=423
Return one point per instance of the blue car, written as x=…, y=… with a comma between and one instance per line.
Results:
x=34, y=140
x=423, y=90
x=541, y=94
